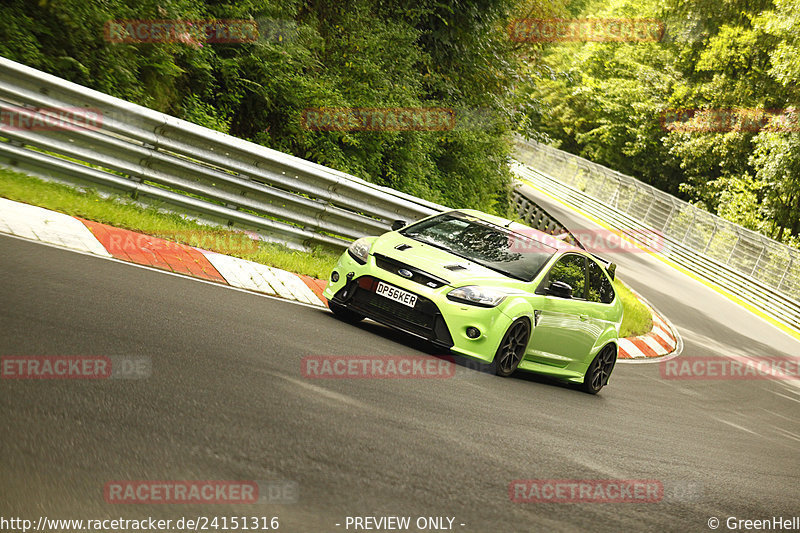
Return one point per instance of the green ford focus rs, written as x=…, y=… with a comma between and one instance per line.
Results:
x=488, y=288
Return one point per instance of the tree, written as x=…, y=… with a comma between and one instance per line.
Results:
x=719, y=73
x=310, y=54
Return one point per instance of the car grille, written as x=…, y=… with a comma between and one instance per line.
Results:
x=417, y=275
x=423, y=319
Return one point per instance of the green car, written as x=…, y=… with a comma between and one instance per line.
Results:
x=488, y=288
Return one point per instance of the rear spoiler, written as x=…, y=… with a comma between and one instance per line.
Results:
x=610, y=267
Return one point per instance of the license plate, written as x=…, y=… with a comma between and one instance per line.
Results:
x=398, y=295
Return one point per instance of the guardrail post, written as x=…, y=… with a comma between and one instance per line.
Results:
x=633, y=197
x=760, y=255
x=785, y=272
x=733, y=248
x=689, y=227
x=711, y=239
x=649, y=207
x=671, y=214
x=614, y=201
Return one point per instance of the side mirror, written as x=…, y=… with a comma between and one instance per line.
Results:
x=560, y=289
x=398, y=224
x=612, y=269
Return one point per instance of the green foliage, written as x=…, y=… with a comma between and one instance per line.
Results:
x=122, y=212
x=777, y=163
x=354, y=53
x=607, y=102
x=636, y=317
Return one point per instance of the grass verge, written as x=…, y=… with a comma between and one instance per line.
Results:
x=122, y=212
x=637, y=319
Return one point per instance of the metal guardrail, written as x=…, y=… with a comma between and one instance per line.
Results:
x=760, y=270
x=190, y=169
x=534, y=216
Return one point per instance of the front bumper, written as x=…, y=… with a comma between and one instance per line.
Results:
x=433, y=317
x=424, y=319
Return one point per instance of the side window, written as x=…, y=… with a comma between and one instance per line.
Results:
x=600, y=288
x=571, y=270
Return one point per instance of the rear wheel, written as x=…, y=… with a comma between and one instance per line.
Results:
x=345, y=314
x=512, y=348
x=599, y=371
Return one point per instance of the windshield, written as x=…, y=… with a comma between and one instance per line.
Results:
x=510, y=253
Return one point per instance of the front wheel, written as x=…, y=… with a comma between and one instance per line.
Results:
x=345, y=314
x=512, y=348
x=599, y=371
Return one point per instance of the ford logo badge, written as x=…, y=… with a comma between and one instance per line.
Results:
x=405, y=273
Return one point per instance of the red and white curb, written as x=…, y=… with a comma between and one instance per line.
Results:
x=36, y=223
x=659, y=342
x=44, y=225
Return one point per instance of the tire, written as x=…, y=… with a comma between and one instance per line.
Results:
x=600, y=370
x=512, y=348
x=345, y=314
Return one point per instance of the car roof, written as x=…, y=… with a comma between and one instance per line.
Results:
x=516, y=227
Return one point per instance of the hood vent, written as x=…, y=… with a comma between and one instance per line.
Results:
x=402, y=247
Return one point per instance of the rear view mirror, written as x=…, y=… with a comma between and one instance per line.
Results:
x=560, y=289
x=398, y=224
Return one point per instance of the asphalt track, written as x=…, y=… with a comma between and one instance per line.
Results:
x=226, y=400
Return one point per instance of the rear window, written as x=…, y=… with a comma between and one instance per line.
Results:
x=600, y=288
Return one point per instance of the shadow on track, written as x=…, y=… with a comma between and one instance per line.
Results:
x=467, y=363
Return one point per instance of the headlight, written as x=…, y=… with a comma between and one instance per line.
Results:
x=481, y=296
x=359, y=250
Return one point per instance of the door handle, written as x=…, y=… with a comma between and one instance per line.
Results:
x=584, y=317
